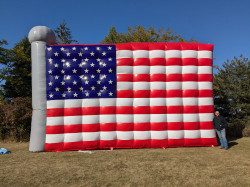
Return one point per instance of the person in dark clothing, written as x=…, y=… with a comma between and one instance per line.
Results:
x=220, y=124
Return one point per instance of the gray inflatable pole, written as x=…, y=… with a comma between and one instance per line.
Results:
x=38, y=37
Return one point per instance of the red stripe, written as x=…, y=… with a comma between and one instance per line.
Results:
x=105, y=144
x=129, y=110
x=164, y=77
x=163, y=93
x=104, y=127
x=164, y=62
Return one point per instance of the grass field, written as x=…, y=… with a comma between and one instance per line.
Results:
x=194, y=166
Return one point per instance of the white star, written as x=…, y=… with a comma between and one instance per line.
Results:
x=80, y=54
x=87, y=94
x=98, y=60
x=74, y=59
x=63, y=95
x=99, y=93
x=92, y=64
x=75, y=94
x=50, y=83
x=67, y=64
x=86, y=59
x=92, y=53
x=103, y=76
x=81, y=88
x=86, y=70
x=49, y=49
x=74, y=48
x=62, y=49
x=104, y=65
x=56, y=53
x=98, y=71
x=110, y=70
x=69, y=89
x=93, y=88
x=110, y=81
x=56, y=65
x=56, y=77
x=104, y=53
x=62, y=83
x=81, y=77
x=62, y=71
x=92, y=76
x=110, y=59
x=51, y=95
x=67, y=77
x=50, y=71
x=86, y=82
x=63, y=60
x=68, y=53
x=57, y=89
x=110, y=94
x=97, y=48
x=74, y=70
x=74, y=82
x=86, y=48
x=109, y=47
x=81, y=64
x=104, y=87
x=50, y=60
x=98, y=82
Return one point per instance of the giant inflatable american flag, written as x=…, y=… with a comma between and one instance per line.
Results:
x=130, y=95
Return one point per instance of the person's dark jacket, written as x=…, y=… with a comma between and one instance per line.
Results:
x=219, y=122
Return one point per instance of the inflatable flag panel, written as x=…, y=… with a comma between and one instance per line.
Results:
x=130, y=95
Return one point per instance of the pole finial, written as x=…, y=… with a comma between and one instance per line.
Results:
x=42, y=33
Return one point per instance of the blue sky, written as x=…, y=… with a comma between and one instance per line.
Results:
x=224, y=23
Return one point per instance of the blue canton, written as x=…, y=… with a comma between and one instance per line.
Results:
x=80, y=71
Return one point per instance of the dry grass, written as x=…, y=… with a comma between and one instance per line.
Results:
x=196, y=166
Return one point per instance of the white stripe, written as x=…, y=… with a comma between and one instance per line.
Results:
x=124, y=54
x=189, y=54
x=173, y=69
x=205, y=54
x=189, y=85
x=141, y=86
x=177, y=101
x=124, y=85
x=141, y=54
x=124, y=69
x=205, y=69
x=173, y=54
x=142, y=135
x=159, y=135
x=157, y=54
x=205, y=85
x=174, y=85
x=158, y=85
x=141, y=69
x=164, y=69
x=129, y=135
x=129, y=118
x=189, y=69
x=157, y=69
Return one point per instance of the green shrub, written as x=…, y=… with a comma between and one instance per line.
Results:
x=15, y=119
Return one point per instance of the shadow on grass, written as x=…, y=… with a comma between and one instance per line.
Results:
x=231, y=141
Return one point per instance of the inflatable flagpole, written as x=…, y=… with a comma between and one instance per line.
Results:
x=39, y=36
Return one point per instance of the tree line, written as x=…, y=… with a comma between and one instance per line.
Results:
x=231, y=81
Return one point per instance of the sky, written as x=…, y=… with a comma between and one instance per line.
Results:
x=223, y=23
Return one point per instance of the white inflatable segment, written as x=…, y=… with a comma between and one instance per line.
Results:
x=38, y=37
